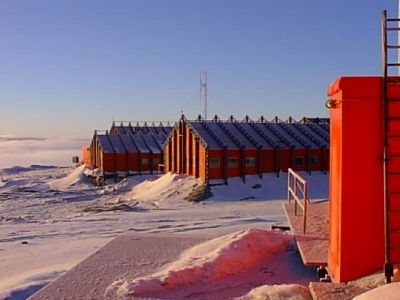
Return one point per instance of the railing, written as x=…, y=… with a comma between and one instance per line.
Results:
x=298, y=191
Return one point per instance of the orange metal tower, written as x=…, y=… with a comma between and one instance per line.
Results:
x=365, y=170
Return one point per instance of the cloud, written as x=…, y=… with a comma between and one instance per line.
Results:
x=10, y=137
x=25, y=151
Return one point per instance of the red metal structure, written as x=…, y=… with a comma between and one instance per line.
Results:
x=391, y=152
x=356, y=178
x=365, y=185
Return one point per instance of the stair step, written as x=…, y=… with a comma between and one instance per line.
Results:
x=393, y=126
x=395, y=256
x=394, y=201
x=394, y=221
x=391, y=80
x=394, y=238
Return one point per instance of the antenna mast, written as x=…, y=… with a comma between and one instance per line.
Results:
x=203, y=91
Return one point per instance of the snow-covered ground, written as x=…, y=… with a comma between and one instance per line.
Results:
x=51, y=218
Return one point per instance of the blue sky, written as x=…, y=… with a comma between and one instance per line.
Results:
x=69, y=67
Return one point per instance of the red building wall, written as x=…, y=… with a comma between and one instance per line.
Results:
x=268, y=160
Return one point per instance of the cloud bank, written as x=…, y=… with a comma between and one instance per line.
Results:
x=39, y=150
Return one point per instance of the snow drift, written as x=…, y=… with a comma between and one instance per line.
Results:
x=211, y=261
x=387, y=292
x=167, y=187
x=74, y=178
x=278, y=291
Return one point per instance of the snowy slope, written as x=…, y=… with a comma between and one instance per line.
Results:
x=74, y=178
x=212, y=261
x=62, y=226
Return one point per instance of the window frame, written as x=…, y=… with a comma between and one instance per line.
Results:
x=232, y=162
x=296, y=160
x=213, y=163
x=252, y=159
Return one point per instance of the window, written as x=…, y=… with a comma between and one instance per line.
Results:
x=232, y=162
x=299, y=161
x=314, y=160
x=145, y=161
x=250, y=162
x=214, y=163
x=156, y=161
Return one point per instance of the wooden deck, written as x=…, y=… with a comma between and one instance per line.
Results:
x=335, y=291
x=313, y=245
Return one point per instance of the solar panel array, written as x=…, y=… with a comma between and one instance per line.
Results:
x=248, y=134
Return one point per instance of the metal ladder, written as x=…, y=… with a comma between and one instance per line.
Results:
x=391, y=155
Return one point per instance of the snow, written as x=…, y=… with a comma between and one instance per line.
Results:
x=388, y=292
x=163, y=189
x=213, y=261
x=51, y=218
x=76, y=177
x=278, y=292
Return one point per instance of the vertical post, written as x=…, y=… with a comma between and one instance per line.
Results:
x=295, y=193
x=288, y=184
x=305, y=198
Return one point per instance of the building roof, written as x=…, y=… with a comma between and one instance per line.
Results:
x=202, y=132
x=128, y=143
x=105, y=143
x=133, y=137
x=140, y=127
x=311, y=133
x=248, y=134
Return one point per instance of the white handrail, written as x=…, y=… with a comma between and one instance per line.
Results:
x=298, y=190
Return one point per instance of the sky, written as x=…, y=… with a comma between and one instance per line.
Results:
x=68, y=67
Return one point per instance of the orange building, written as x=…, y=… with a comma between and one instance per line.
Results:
x=85, y=155
x=128, y=149
x=216, y=150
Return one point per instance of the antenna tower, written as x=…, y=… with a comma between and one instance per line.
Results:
x=203, y=91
